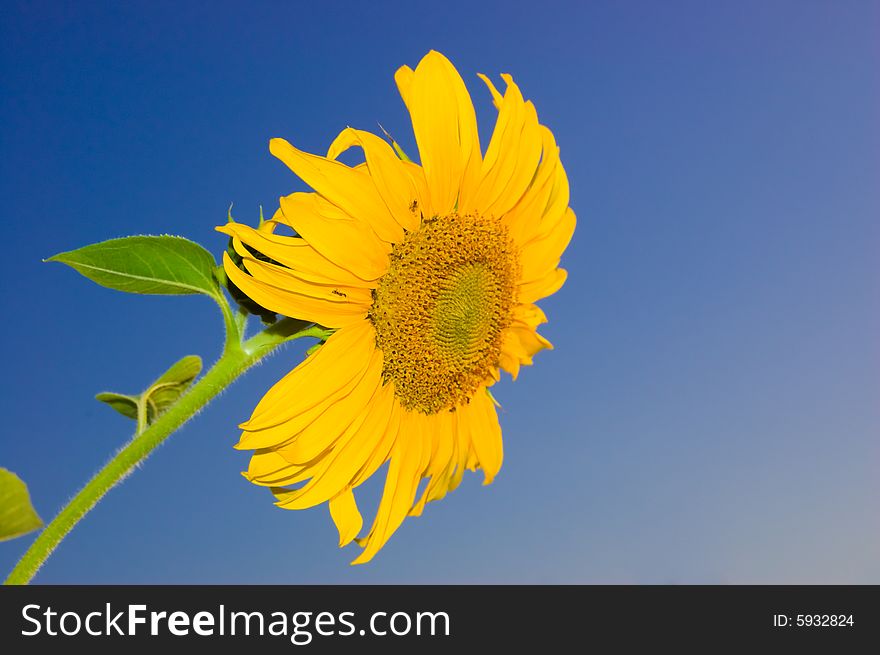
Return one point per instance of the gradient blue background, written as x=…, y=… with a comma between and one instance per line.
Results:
x=710, y=413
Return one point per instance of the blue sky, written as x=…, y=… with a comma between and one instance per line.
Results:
x=710, y=412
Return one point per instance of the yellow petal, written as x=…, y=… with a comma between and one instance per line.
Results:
x=269, y=469
x=417, y=176
x=543, y=207
x=445, y=127
x=472, y=460
x=497, y=97
x=512, y=156
x=280, y=431
x=507, y=361
x=296, y=254
x=530, y=342
x=387, y=438
x=543, y=287
x=403, y=78
x=462, y=448
x=440, y=433
x=372, y=438
x=295, y=305
x=339, y=465
x=401, y=482
x=557, y=204
x=441, y=438
x=345, y=514
x=285, y=278
x=345, y=187
x=323, y=432
x=340, y=362
x=519, y=344
x=387, y=172
x=524, y=219
x=350, y=243
x=541, y=255
x=443, y=483
x=529, y=314
x=450, y=476
x=485, y=434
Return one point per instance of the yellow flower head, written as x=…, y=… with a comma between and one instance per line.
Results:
x=428, y=274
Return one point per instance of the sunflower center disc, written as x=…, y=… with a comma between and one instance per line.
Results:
x=441, y=309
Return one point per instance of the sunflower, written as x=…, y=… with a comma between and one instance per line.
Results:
x=427, y=274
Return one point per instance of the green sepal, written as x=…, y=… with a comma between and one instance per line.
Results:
x=399, y=151
x=323, y=335
x=17, y=514
x=395, y=145
x=166, y=265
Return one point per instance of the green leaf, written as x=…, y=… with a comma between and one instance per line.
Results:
x=125, y=405
x=182, y=372
x=165, y=264
x=17, y=515
x=159, y=396
x=165, y=391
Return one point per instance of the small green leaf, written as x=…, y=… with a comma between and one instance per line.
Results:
x=183, y=372
x=17, y=515
x=165, y=391
x=125, y=405
x=165, y=264
x=159, y=396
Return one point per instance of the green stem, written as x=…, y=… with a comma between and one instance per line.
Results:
x=233, y=324
x=236, y=359
x=141, y=415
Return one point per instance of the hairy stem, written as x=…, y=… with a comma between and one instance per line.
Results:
x=236, y=359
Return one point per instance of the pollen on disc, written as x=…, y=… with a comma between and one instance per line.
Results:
x=441, y=309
